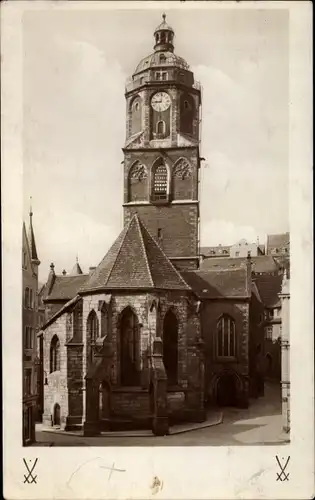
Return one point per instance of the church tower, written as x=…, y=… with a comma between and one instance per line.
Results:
x=161, y=153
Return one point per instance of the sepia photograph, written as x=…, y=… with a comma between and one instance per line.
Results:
x=157, y=247
x=156, y=266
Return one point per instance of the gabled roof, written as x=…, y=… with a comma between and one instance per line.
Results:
x=62, y=310
x=260, y=264
x=219, y=283
x=135, y=261
x=66, y=287
x=269, y=287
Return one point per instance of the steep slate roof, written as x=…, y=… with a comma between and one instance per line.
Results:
x=66, y=287
x=261, y=264
x=31, y=239
x=216, y=284
x=135, y=260
x=269, y=287
x=277, y=241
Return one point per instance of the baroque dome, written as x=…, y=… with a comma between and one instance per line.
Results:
x=161, y=59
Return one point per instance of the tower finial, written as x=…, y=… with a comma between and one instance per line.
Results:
x=164, y=16
x=77, y=259
x=31, y=211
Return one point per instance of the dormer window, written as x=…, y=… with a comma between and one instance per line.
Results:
x=162, y=59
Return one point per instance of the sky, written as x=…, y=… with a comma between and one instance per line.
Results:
x=74, y=71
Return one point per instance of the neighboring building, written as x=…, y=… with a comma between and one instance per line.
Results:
x=242, y=248
x=269, y=287
x=285, y=351
x=260, y=265
x=30, y=263
x=146, y=338
x=239, y=249
x=278, y=244
x=216, y=251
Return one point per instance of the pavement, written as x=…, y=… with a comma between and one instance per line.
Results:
x=260, y=424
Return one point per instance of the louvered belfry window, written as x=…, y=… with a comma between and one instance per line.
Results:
x=160, y=183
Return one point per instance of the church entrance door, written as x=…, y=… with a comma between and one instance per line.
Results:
x=56, y=416
x=226, y=390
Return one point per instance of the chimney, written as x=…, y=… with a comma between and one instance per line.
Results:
x=91, y=270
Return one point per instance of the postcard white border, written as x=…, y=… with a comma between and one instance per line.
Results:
x=205, y=472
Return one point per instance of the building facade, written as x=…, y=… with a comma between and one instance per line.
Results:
x=285, y=351
x=147, y=338
x=30, y=263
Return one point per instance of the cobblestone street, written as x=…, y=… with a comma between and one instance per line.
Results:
x=260, y=424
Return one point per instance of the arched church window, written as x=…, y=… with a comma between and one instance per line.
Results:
x=226, y=337
x=170, y=347
x=54, y=354
x=186, y=104
x=93, y=326
x=136, y=106
x=129, y=348
x=160, y=182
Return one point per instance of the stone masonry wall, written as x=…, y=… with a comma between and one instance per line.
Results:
x=211, y=312
x=56, y=392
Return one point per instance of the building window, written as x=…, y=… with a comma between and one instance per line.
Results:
x=157, y=75
x=28, y=337
x=129, y=348
x=161, y=75
x=104, y=321
x=160, y=127
x=162, y=59
x=54, y=354
x=186, y=104
x=26, y=297
x=271, y=313
x=93, y=326
x=226, y=337
x=170, y=347
x=269, y=333
x=164, y=76
x=160, y=183
x=136, y=106
x=28, y=382
x=31, y=304
x=237, y=254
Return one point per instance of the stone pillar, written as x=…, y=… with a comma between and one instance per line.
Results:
x=158, y=390
x=91, y=425
x=285, y=352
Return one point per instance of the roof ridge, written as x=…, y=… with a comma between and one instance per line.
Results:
x=167, y=258
x=126, y=228
x=144, y=248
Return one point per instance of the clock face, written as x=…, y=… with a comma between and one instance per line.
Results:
x=161, y=101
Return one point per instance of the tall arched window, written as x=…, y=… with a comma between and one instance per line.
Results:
x=160, y=182
x=129, y=348
x=170, y=347
x=54, y=354
x=226, y=337
x=93, y=326
x=31, y=304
